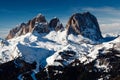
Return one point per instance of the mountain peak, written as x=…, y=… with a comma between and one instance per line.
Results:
x=40, y=18
x=39, y=24
x=30, y=26
x=84, y=24
x=55, y=24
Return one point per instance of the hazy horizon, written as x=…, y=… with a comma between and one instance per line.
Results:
x=15, y=12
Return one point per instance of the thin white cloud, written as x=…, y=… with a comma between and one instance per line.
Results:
x=111, y=27
x=106, y=10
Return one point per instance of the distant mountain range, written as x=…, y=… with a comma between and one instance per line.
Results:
x=42, y=50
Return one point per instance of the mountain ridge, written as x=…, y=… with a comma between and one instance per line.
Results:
x=84, y=24
x=39, y=23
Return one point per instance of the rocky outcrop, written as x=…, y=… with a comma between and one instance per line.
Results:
x=41, y=27
x=16, y=30
x=84, y=24
x=32, y=25
x=55, y=24
x=39, y=24
x=40, y=18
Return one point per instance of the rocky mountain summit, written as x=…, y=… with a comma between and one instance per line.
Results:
x=41, y=50
x=39, y=24
x=84, y=24
x=55, y=24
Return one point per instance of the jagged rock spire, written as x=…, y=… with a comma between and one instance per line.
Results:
x=55, y=24
x=27, y=27
x=84, y=24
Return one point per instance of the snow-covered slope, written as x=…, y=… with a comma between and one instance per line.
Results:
x=83, y=50
x=33, y=44
x=55, y=48
x=37, y=47
x=31, y=47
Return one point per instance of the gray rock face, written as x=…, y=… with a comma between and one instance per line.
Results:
x=84, y=24
x=32, y=25
x=55, y=24
x=17, y=31
x=41, y=27
x=39, y=24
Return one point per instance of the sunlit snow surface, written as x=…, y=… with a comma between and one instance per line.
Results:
x=45, y=48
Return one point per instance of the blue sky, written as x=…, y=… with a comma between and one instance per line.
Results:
x=14, y=12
